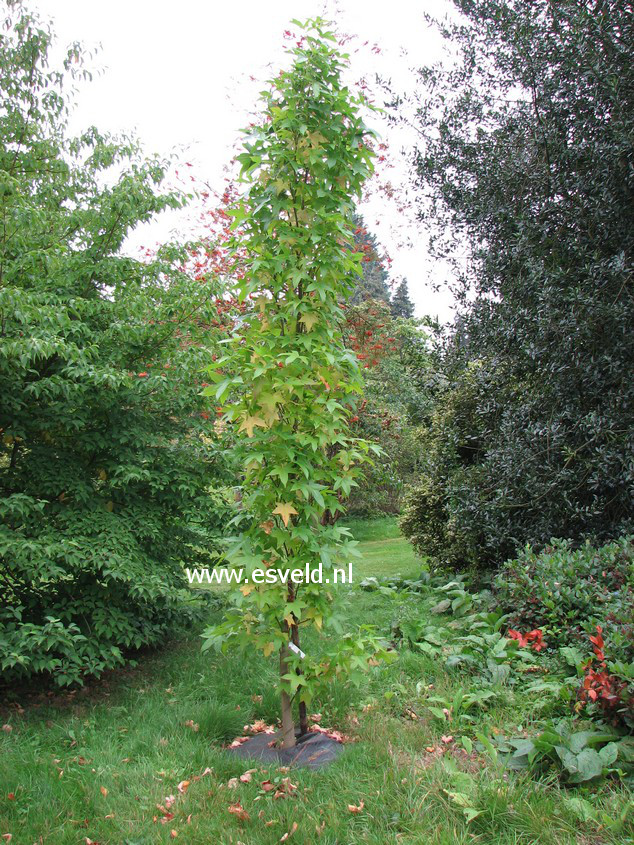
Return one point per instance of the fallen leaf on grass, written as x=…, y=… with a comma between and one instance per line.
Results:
x=238, y=810
x=336, y=735
x=193, y=725
x=169, y=800
x=356, y=808
x=167, y=816
x=11, y=796
x=7, y=729
x=284, y=788
x=103, y=791
x=233, y=783
x=290, y=832
x=315, y=717
x=173, y=834
x=259, y=727
x=246, y=777
x=446, y=739
x=267, y=786
x=182, y=786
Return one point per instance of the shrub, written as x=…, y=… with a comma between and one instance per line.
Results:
x=106, y=462
x=582, y=597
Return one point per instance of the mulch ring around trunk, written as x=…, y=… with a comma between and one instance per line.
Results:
x=313, y=750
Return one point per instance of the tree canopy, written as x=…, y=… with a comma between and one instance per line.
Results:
x=526, y=157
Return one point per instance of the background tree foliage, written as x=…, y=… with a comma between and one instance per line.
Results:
x=527, y=156
x=372, y=283
x=395, y=360
x=105, y=471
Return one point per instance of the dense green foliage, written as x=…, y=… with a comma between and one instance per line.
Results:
x=568, y=593
x=105, y=471
x=527, y=158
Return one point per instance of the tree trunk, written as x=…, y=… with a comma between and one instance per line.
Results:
x=288, y=726
x=303, y=715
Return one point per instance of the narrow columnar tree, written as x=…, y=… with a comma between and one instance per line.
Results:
x=288, y=381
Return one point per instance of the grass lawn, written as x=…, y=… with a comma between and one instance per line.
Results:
x=92, y=765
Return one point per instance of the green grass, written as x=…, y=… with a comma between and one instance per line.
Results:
x=129, y=735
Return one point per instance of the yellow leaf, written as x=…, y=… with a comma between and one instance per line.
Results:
x=268, y=649
x=245, y=589
x=309, y=320
x=285, y=510
x=249, y=423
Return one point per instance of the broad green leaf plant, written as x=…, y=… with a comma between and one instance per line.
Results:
x=287, y=382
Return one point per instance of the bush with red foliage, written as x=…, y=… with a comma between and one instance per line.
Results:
x=604, y=689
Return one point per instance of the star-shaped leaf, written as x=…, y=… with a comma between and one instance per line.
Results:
x=285, y=510
x=249, y=423
x=309, y=320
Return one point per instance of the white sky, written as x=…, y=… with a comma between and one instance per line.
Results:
x=178, y=75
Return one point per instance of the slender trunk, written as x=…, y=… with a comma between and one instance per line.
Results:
x=303, y=715
x=288, y=726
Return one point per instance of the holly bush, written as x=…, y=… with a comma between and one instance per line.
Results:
x=525, y=160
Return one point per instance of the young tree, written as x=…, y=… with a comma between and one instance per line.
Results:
x=105, y=471
x=291, y=380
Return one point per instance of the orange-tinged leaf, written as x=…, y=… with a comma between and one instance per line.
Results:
x=238, y=810
x=289, y=833
x=356, y=808
x=103, y=791
x=182, y=786
x=285, y=510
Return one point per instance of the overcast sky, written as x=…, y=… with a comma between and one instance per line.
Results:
x=178, y=74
